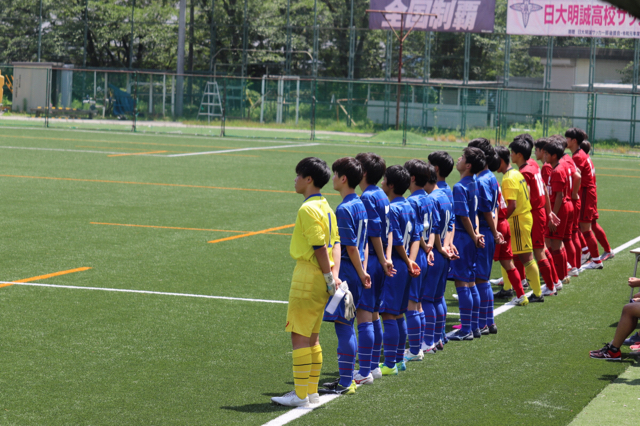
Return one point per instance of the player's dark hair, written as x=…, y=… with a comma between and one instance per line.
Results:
x=527, y=138
x=494, y=163
x=373, y=165
x=489, y=151
x=349, y=167
x=399, y=177
x=418, y=169
x=585, y=146
x=476, y=158
x=432, y=176
x=575, y=133
x=315, y=168
x=561, y=140
x=521, y=146
x=443, y=161
x=503, y=154
x=554, y=148
x=540, y=143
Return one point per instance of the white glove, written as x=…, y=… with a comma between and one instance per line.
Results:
x=331, y=283
x=349, y=306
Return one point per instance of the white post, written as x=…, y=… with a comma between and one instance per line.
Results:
x=173, y=95
x=150, y=93
x=297, y=99
x=106, y=78
x=262, y=102
x=164, y=91
x=279, y=103
x=95, y=85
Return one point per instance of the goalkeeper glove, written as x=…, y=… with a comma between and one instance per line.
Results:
x=331, y=283
x=349, y=306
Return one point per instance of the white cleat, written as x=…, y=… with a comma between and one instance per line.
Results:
x=547, y=292
x=607, y=255
x=497, y=281
x=585, y=257
x=376, y=373
x=314, y=398
x=408, y=356
x=360, y=380
x=566, y=280
x=431, y=351
x=291, y=400
x=558, y=285
x=574, y=272
x=591, y=265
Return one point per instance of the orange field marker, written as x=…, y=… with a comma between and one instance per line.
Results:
x=249, y=234
x=622, y=211
x=44, y=277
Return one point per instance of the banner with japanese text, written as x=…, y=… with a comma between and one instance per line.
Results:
x=570, y=18
x=475, y=16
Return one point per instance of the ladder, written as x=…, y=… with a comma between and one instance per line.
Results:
x=210, y=101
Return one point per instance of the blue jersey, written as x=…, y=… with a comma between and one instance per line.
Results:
x=377, y=205
x=487, y=195
x=465, y=201
x=444, y=198
x=424, y=208
x=352, y=224
x=402, y=220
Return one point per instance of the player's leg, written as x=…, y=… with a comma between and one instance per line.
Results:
x=545, y=271
x=587, y=215
x=484, y=261
x=390, y=308
x=463, y=274
x=566, y=238
x=627, y=324
x=365, y=346
x=554, y=273
x=369, y=326
x=601, y=236
x=413, y=318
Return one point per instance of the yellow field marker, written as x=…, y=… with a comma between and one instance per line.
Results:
x=249, y=234
x=175, y=227
x=136, y=153
x=44, y=277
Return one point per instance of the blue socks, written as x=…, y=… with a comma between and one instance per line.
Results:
x=423, y=326
x=441, y=319
x=390, y=340
x=443, y=304
x=402, y=338
x=486, y=305
x=431, y=317
x=346, y=352
x=475, y=312
x=377, y=343
x=414, y=325
x=465, y=302
x=365, y=347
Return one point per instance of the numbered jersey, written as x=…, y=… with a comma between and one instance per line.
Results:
x=502, y=206
x=425, y=210
x=402, y=220
x=465, y=201
x=557, y=182
x=570, y=168
x=487, y=195
x=377, y=204
x=587, y=169
x=352, y=224
x=537, y=195
x=514, y=187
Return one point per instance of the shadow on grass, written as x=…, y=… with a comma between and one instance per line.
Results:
x=614, y=325
x=265, y=407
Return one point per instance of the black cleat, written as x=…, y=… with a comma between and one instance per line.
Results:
x=503, y=294
x=440, y=345
x=536, y=299
x=493, y=329
x=331, y=385
x=338, y=390
x=477, y=333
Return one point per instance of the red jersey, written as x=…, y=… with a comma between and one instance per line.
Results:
x=587, y=170
x=557, y=182
x=502, y=206
x=546, y=172
x=531, y=172
x=570, y=168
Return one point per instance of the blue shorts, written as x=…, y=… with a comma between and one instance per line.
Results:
x=370, y=300
x=416, y=287
x=395, y=291
x=484, y=256
x=463, y=269
x=347, y=273
x=436, y=279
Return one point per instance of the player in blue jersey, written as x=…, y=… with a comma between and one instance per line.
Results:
x=423, y=206
x=488, y=188
x=467, y=240
x=442, y=163
x=403, y=251
x=379, y=264
x=352, y=228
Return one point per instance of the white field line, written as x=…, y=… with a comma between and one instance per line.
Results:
x=120, y=290
x=301, y=411
x=60, y=150
x=242, y=149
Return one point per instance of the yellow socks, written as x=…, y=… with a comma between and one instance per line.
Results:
x=301, y=370
x=505, y=278
x=533, y=276
x=316, y=366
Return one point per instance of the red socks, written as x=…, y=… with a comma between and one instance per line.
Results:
x=578, y=248
x=601, y=236
x=571, y=252
x=519, y=267
x=560, y=263
x=554, y=274
x=545, y=271
x=516, y=281
x=592, y=243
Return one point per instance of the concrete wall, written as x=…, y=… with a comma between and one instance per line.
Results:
x=441, y=116
x=608, y=107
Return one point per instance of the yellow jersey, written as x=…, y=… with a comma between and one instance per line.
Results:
x=514, y=187
x=316, y=225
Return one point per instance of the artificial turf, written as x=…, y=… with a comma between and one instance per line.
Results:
x=94, y=357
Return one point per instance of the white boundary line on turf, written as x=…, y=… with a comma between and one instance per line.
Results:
x=59, y=149
x=188, y=154
x=301, y=411
x=120, y=290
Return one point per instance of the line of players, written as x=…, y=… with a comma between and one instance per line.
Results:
x=396, y=254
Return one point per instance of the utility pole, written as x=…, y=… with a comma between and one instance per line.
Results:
x=180, y=71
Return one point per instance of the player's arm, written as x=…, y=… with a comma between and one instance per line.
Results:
x=414, y=269
x=468, y=226
x=354, y=256
x=383, y=258
x=389, y=245
x=489, y=218
x=366, y=257
x=553, y=218
x=557, y=205
x=330, y=274
x=577, y=180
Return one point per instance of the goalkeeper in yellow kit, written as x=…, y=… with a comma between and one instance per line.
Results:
x=316, y=247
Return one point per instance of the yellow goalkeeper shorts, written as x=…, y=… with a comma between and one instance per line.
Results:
x=307, y=299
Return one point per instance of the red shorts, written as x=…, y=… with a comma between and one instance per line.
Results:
x=589, y=209
x=576, y=214
x=503, y=251
x=565, y=215
x=538, y=228
x=568, y=232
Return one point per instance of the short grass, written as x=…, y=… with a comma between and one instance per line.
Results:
x=93, y=357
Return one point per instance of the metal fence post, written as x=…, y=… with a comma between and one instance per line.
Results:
x=465, y=83
x=591, y=98
x=426, y=74
x=634, y=92
x=406, y=108
x=547, y=86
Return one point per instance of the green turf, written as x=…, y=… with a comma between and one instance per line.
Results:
x=93, y=357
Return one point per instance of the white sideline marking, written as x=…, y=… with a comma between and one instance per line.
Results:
x=300, y=411
x=59, y=149
x=242, y=149
x=120, y=290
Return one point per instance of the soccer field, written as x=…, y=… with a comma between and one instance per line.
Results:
x=179, y=318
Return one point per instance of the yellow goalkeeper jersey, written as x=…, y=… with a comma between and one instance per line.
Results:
x=514, y=187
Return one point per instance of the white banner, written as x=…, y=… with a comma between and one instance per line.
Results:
x=570, y=18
